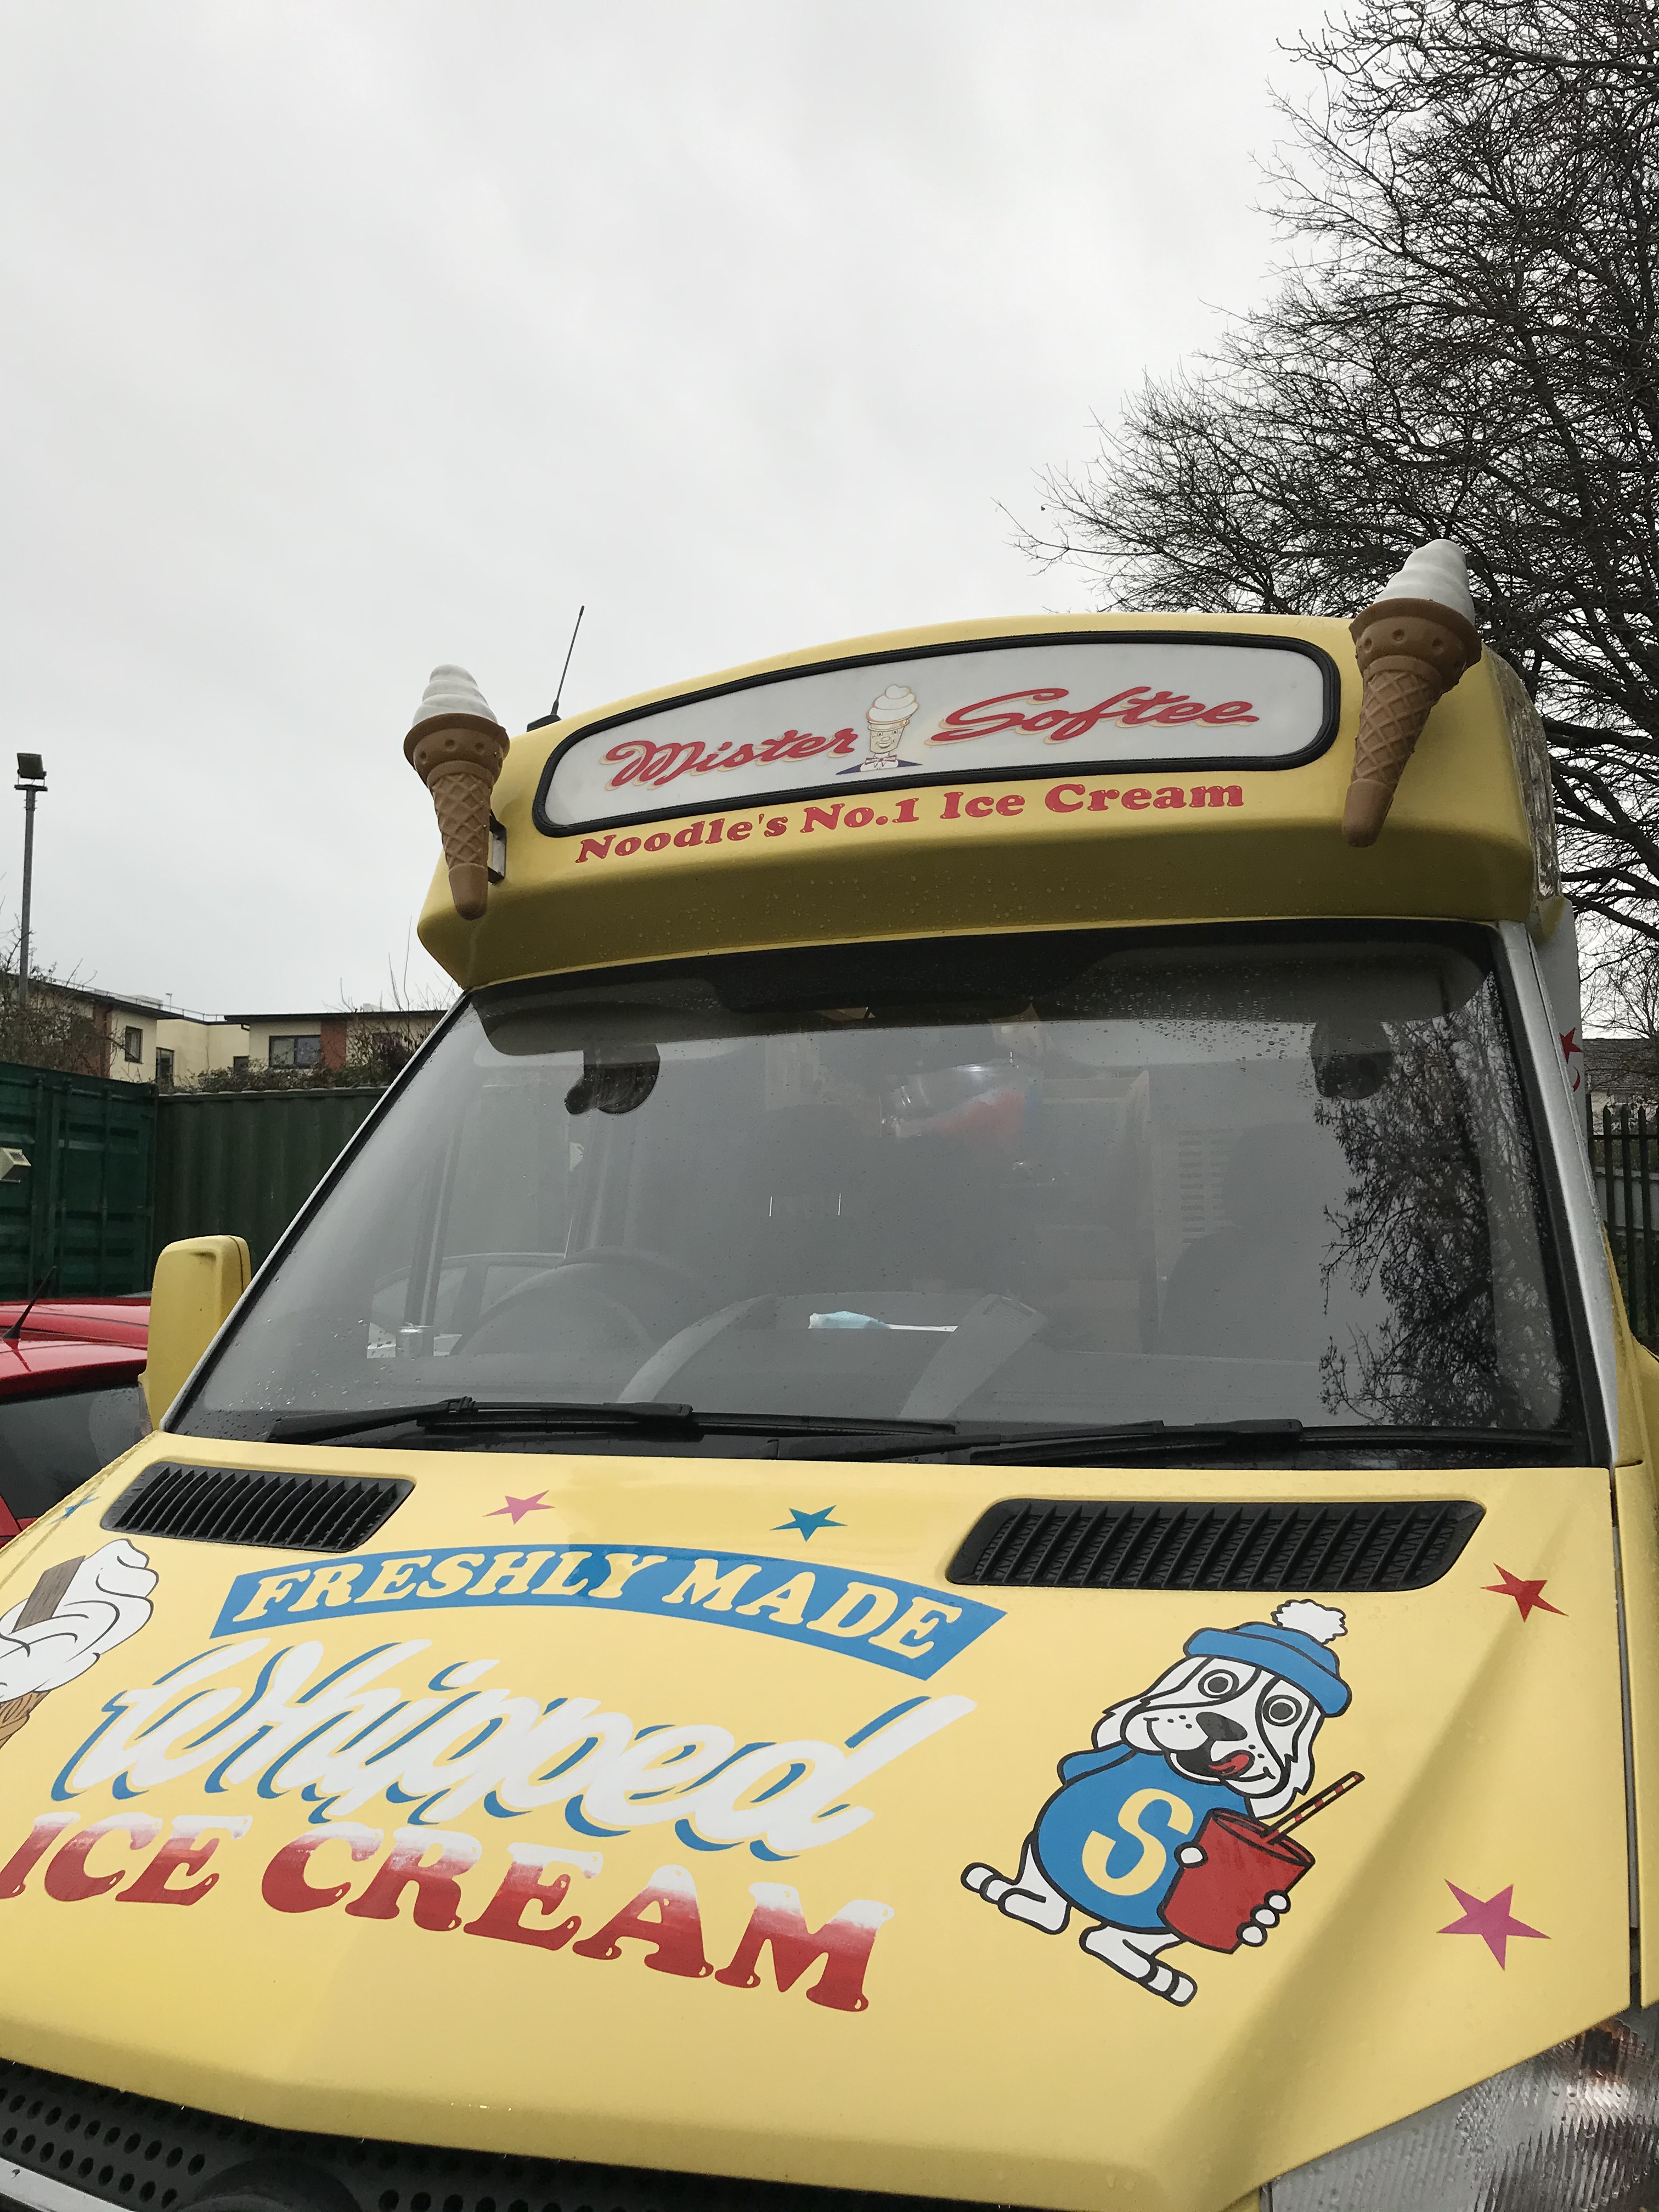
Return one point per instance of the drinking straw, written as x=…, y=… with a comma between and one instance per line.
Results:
x=1340, y=1788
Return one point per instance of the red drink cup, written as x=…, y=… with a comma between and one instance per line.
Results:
x=1243, y=1865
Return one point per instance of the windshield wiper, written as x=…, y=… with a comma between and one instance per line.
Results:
x=442, y=1413
x=1160, y=1439
x=1362, y=1436
x=452, y=1415
x=297, y=1428
x=975, y=1441
x=831, y=1436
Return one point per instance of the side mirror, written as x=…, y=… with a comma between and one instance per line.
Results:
x=198, y=1281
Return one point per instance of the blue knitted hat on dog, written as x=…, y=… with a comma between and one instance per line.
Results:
x=1292, y=1645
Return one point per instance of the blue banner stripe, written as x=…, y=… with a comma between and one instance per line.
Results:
x=905, y=1625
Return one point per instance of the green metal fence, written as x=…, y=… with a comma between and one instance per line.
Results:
x=242, y=1163
x=1625, y=1161
x=80, y=1213
x=117, y=1170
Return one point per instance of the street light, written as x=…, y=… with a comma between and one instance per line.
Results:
x=31, y=781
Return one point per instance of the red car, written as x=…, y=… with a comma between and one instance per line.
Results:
x=70, y=1399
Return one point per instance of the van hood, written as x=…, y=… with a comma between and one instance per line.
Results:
x=687, y=1814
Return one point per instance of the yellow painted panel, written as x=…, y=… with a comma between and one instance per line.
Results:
x=1638, y=1546
x=197, y=1282
x=1456, y=843
x=925, y=2041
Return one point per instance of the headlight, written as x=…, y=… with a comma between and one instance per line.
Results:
x=1575, y=2130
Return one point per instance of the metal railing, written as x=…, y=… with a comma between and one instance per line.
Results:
x=1624, y=1165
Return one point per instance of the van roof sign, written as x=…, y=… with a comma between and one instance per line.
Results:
x=969, y=711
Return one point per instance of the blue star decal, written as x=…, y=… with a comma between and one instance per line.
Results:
x=806, y=1525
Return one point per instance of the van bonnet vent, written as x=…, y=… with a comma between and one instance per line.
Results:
x=1043, y=1544
x=242, y=1505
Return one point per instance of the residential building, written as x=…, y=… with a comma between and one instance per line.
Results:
x=146, y=1041
x=135, y=1038
x=127, y=1026
x=190, y=1046
x=1622, y=1072
x=364, y=1034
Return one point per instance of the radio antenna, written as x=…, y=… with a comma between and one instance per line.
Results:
x=14, y=1334
x=565, y=671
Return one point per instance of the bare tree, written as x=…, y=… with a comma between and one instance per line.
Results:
x=1464, y=346
x=398, y=1026
x=1416, y=1223
x=382, y=1036
x=59, y=1026
x=1621, y=1001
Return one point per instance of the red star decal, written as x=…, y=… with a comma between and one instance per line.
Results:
x=518, y=1507
x=1569, y=1045
x=1490, y=1919
x=1527, y=1595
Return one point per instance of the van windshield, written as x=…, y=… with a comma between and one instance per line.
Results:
x=1073, y=1178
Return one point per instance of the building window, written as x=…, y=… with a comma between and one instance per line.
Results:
x=238, y=1063
x=132, y=1044
x=295, y=1051
x=163, y=1068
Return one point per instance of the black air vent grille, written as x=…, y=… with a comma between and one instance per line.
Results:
x=240, y=1505
x=1030, y=1542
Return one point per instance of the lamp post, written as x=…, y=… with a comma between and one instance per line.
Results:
x=31, y=781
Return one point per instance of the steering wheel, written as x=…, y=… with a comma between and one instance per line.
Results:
x=563, y=1281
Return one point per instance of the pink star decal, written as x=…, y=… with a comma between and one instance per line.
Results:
x=1490, y=1919
x=518, y=1507
x=1528, y=1596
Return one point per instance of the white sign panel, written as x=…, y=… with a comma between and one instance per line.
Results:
x=1023, y=707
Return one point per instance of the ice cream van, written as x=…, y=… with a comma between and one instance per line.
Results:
x=950, y=1505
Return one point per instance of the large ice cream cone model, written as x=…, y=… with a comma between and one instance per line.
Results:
x=457, y=748
x=1414, y=643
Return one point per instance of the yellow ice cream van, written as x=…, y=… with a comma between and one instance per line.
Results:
x=950, y=1505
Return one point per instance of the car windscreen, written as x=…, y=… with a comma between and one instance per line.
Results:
x=1068, y=1178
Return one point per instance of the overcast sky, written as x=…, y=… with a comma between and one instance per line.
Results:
x=343, y=338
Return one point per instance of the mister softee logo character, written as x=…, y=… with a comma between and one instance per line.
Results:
x=1169, y=1830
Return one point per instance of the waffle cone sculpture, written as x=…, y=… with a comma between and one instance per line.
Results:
x=457, y=748
x=14, y=1711
x=1414, y=643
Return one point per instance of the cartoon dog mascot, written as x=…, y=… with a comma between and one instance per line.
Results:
x=76, y=1612
x=1231, y=1727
